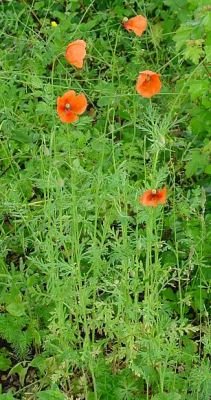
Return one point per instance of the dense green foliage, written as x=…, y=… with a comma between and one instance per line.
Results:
x=101, y=298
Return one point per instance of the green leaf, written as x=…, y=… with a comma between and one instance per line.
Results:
x=198, y=88
x=208, y=169
x=206, y=102
x=199, y=296
x=207, y=22
x=40, y=363
x=156, y=33
x=91, y=24
x=36, y=82
x=105, y=101
x=169, y=294
x=107, y=93
x=207, y=147
x=190, y=346
x=196, y=164
x=22, y=136
x=20, y=371
x=43, y=108
x=5, y=362
x=208, y=53
x=91, y=396
x=193, y=53
x=167, y=396
x=196, y=124
x=16, y=309
x=181, y=36
x=52, y=394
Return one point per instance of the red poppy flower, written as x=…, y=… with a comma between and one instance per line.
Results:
x=153, y=197
x=148, y=84
x=75, y=53
x=70, y=105
x=136, y=24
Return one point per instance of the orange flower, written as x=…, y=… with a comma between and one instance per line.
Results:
x=75, y=53
x=148, y=84
x=153, y=197
x=136, y=24
x=70, y=105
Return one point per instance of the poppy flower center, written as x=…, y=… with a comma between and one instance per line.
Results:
x=67, y=107
x=154, y=191
x=148, y=78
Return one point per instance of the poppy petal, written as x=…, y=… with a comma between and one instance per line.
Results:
x=151, y=198
x=147, y=199
x=75, y=53
x=70, y=105
x=148, y=84
x=136, y=24
x=68, y=117
x=162, y=195
x=68, y=97
x=79, y=104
